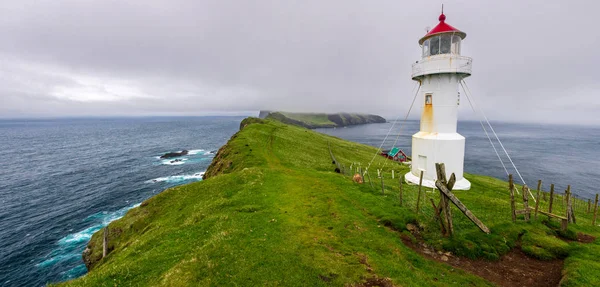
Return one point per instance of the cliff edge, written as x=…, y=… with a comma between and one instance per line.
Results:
x=322, y=120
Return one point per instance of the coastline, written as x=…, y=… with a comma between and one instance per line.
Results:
x=261, y=159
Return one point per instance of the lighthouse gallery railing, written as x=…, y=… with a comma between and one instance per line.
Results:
x=446, y=63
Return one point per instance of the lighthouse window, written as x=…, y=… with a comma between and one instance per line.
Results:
x=445, y=44
x=428, y=99
x=435, y=45
x=455, y=44
x=426, y=48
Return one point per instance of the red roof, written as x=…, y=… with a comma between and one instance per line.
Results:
x=442, y=27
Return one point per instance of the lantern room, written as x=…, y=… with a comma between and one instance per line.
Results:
x=442, y=39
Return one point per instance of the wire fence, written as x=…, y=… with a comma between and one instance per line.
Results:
x=388, y=180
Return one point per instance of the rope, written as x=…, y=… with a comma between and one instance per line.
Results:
x=498, y=139
x=404, y=121
x=393, y=124
x=485, y=130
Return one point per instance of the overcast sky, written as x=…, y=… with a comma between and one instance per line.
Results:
x=533, y=60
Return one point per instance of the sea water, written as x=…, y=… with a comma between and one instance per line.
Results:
x=559, y=154
x=62, y=180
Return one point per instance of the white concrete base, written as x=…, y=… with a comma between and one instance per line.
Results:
x=411, y=179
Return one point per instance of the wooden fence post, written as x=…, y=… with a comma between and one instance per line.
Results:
x=369, y=177
x=569, y=202
x=441, y=174
x=539, y=189
x=526, y=202
x=400, y=188
x=419, y=195
x=551, y=198
x=392, y=174
x=537, y=200
x=595, y=210
x=436, y=211
x=382, y=187
x=105, y=242
x=511, y=189
x=451, y=197
x=573, y=199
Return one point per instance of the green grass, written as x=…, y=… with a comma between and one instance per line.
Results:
x=273, y=212
x=321, y=120
x=315, y=119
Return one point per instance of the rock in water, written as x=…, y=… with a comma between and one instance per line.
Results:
x=174, y=154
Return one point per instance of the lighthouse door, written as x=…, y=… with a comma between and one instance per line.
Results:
x=422, y=162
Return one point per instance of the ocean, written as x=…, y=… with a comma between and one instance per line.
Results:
x=62, y=180
x=559, y=154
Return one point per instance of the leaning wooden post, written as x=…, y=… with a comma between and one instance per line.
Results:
x=419, y=195
x=511, y=189
x=537, y=200
x=392, y=174
x=105, y=242
x=382, y=187
x=400, y=188
x=451, y=197
x=595, y=210
x=551, y=198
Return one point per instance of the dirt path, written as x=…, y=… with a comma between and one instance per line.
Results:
x=513, y=269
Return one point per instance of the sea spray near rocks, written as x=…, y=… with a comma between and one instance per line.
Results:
x=69, y=248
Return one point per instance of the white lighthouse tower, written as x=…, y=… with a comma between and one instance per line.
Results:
x=439, y=73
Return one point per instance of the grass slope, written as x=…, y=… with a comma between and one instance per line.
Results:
x=273, y=212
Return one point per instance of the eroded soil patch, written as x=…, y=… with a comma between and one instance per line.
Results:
x=377, y=282
x=513, y=269
x=585, y=238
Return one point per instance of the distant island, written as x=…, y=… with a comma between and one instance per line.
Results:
x=321, y=120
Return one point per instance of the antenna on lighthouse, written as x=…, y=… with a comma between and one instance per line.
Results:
x=442, y=8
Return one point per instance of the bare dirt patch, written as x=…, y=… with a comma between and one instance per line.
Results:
x=377, y=282
x=513, y=269
x=585, y=238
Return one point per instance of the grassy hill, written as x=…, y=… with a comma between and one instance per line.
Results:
x=317, y=120
x=272, y=211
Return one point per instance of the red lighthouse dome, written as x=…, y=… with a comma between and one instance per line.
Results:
x=442, y=27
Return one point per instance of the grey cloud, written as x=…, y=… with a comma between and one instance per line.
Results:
x=532, y=59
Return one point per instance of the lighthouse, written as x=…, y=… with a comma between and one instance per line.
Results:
x=439, y=72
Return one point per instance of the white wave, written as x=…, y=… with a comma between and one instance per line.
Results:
x=68, y=246
x=174, y=161
x=53, y=260
x=194, y=151
x=178, y=178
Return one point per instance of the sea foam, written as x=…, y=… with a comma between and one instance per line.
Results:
x=178, y=178
x=71, y=246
